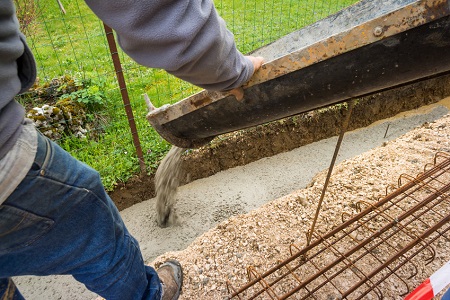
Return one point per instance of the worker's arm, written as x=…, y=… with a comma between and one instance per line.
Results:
x=185, y=37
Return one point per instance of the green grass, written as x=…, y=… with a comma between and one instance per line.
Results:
x=75, y=44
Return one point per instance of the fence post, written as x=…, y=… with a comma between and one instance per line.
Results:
x=123, y=90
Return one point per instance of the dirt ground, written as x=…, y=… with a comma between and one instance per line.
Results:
x=204, y=203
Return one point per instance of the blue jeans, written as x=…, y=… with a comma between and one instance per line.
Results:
x=446, y=295
x=60, y=220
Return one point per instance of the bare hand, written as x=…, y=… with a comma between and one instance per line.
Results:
x=257, y=62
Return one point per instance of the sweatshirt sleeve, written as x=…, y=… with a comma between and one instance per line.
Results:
x=186, y=38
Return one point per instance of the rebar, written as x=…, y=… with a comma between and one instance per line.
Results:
x=344, y=127
x=125, y=97
x=382, y=245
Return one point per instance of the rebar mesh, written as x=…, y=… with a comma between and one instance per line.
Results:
x=379, y=249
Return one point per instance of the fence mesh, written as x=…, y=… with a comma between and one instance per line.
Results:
x=73, y=44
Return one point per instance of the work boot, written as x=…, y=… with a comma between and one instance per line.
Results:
x=171, y=275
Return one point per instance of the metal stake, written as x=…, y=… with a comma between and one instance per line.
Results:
x=351, y=104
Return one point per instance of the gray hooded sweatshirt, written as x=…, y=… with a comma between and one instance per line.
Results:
x=187, y=38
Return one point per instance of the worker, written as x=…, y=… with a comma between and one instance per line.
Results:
x=55, y=216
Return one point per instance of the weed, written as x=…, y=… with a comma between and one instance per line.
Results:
x=89, y=93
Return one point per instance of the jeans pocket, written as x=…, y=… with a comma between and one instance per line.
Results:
x=43, y=156
x=19, y=228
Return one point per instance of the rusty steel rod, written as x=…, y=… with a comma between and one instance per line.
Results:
x=367, y=241
x=403, y=251
x=124, y=92
x=344, y=127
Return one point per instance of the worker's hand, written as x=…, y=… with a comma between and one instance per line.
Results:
x=257, y=63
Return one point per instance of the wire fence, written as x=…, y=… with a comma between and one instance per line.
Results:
x=72, y=48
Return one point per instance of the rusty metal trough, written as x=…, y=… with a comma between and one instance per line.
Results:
x=365, y=48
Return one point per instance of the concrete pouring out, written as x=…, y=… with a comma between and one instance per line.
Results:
x=167, y=179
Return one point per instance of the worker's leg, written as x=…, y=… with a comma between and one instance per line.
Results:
x=446, y=295
x=60, y=221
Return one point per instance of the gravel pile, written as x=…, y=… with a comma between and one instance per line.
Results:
x=263, y=237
